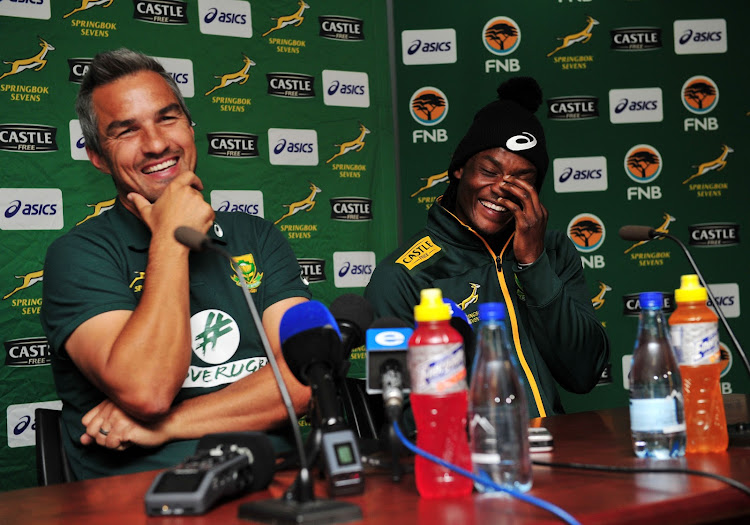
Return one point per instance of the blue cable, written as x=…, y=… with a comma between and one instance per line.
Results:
x=554, y=509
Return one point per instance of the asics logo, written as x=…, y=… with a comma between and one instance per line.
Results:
x=521, y=142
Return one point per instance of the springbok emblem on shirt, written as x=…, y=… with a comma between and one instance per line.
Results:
x=473, y=298
x=598, y=300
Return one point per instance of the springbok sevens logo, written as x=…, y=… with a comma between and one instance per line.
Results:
x=29, y=280
x=587, y=232
x=37, y=62
x=598, y=300
x=295, y=18
x=717, y=164
x=99, y=208
x=88, y=4
x=663, y=228
x=473, y=298
x=582, y=36
x=240, y=76
x=249, y=272
x=306, y=204
x=501, y=35
x=352, y=145
x=431, y=181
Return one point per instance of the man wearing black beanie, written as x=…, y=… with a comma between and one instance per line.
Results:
x=486, y=240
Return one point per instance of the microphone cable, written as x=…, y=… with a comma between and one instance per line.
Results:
x=638, y=470
x=545, y=505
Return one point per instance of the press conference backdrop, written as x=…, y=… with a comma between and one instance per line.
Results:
x=645, y=108
x=292, y=109
x=646, y=113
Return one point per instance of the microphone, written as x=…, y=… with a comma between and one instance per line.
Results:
x=353, y=313
x=311, y=343
x=460, y=322
x=644, y=233
x=301, y=505
x=387, y=374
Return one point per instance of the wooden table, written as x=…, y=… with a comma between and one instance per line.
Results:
x=599, y=437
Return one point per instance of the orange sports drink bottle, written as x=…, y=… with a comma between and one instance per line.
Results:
x=694, y=329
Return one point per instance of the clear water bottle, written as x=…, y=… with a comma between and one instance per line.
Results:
x=657, y=414
x=498, y=411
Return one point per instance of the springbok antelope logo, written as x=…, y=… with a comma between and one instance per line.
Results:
x=664, y=228
x=432, y=180
x=99, y=208
x=296, y=18
x=352, y=145
x=582, y=36
x=36, y=62
x=88, y=4
x=717, y=164
x=304, y=205
x=240, y=76
x=473, y=298
x=29, y=280
x=598, y=300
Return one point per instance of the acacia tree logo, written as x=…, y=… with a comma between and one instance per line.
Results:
x=428, y=106
x=643, y=163
x=501, y=35
x=700, y=94
x=587, y=232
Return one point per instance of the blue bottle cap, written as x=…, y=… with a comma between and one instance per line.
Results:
x=491, y=311
x=650, y=300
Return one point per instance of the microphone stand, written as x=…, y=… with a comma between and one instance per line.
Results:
x=299, y=505
x=655, y=234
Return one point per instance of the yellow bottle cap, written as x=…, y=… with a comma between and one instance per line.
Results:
x=690, y=290
x=431, y=306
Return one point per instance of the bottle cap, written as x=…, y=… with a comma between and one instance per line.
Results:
x=650, y=300
x=491, y=311
x=690, y=290
x=431, y=306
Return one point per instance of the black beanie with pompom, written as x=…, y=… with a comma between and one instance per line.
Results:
x=507, y=122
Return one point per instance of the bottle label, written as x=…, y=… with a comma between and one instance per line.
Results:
x=655, y=415
x=437, y=369
x=696, y=343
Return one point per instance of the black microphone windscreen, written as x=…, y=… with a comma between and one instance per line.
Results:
x=637, y=233
x=353, y=313
x=191, y=238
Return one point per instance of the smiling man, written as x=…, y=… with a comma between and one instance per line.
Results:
x=154, y=346
x=486, y=240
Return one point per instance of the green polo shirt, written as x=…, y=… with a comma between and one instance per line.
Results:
x=100, y=265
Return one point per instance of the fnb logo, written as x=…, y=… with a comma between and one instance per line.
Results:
x=346, y=88
x=635, y=105
x=428, y=46
x=587, y=232
x=700, y=94
x=225, y=18
x=501, y=35
x=643, y=163
x=428, y=106
x=700, y=36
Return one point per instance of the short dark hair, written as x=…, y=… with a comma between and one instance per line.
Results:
x=107, y=67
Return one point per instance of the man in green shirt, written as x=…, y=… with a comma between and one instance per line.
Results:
x=154, y=346
x=486, y=240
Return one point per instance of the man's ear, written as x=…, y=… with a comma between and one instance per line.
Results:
x=458, y=173
x=98, y=161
